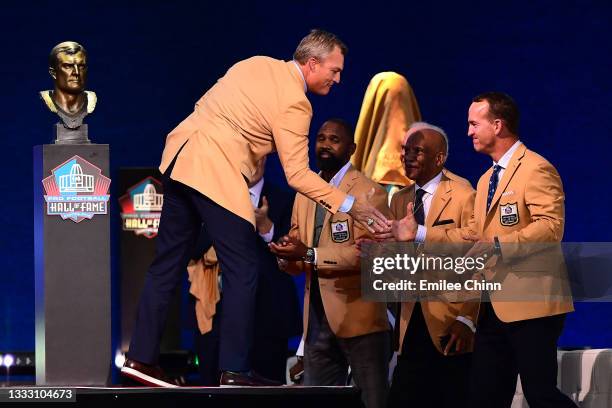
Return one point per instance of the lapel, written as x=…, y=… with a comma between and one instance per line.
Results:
x=514, y=163
x=440, y=199
x=347, y=182
x=409, y=198
x=309, y=221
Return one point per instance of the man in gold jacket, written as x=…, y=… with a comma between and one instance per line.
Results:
x=341, y=329
x=260, y=105
x=442, y=200
x=519, y=207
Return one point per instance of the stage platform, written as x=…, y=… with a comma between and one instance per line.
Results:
x=266, y=397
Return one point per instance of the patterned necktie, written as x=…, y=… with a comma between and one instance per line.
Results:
x=493, y=184
x=419, y=209
x=316, y=310
x=318, y=225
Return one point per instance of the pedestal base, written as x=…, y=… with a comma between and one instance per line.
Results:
x=72, y=265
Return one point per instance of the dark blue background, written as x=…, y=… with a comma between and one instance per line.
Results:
x=150, y=61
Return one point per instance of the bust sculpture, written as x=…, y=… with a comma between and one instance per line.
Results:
x=69, y=99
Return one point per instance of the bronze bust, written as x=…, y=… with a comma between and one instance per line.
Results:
x=69, y=99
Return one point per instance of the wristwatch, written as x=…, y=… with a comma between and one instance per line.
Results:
x=496, y=247
x=310, y=256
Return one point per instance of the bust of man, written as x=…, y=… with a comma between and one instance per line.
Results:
x=69, y=99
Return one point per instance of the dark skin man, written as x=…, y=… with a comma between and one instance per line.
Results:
x=424, y=156
x=334, y=148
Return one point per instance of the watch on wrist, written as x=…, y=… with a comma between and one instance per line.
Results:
x=496, y=247
x=310, y=255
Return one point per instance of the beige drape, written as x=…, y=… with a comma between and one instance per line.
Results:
x=389, y=107
x=204, y=275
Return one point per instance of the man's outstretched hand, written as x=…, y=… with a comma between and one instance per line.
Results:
x=368, y=215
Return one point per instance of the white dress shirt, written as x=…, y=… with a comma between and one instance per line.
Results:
x=255, y=193
x=504, y=161
x=430, y=189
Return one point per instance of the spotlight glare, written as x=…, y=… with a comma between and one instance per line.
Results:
x=119, y=359
x=8, y=360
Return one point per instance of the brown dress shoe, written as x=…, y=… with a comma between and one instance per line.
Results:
x=248, y=379
x=296, y=371
x=149, y=375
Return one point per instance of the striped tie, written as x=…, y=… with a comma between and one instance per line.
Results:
x=493, y=185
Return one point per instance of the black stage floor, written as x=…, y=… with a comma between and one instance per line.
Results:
x=249, y=397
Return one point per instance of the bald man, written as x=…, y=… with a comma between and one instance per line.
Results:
x=430, y=372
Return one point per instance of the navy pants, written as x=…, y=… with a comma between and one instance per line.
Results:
x=502, y=351
x=184, y=212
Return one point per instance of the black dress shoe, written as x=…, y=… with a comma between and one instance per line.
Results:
x=153, y=376
x=247, y=379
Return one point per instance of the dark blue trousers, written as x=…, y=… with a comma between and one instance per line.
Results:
x=502, y=351
x=185, y=210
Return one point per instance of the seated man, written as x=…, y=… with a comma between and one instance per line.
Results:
x=341, y=329
x=426, y=365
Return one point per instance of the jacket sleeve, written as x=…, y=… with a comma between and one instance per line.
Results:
x=470, y=309
x=334, y=258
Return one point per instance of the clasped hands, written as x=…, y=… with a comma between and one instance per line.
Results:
x=406, y=228
x=288, y=248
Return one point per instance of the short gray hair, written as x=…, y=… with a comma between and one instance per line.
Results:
x=318, y=43
x=437, y=129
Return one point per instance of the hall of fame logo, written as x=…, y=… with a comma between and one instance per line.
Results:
x=340, y=231
x=76, y=190
x=141, y=207
x=508, y=214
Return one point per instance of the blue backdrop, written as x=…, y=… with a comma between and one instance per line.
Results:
x=150, y=61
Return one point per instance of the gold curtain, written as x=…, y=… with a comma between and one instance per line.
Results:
x=389, y=107
x=204, y=278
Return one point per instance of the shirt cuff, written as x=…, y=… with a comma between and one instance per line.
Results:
x=300, y=350
x=268, y=235
x=347, y=204
x=421, y=234
x=468, y=322
x=315, y=257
